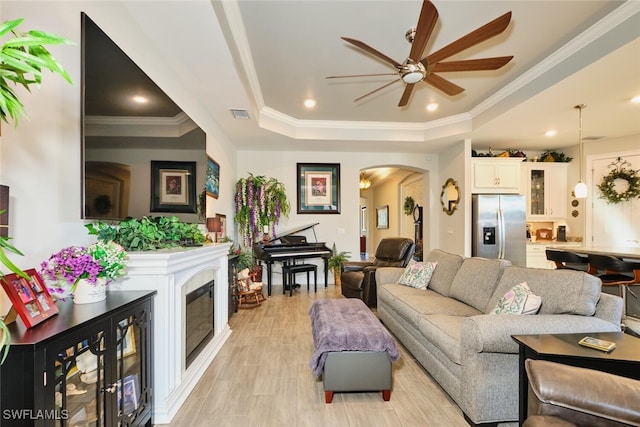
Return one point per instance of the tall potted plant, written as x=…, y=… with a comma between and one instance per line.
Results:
x=335, y=263
x=260, y=202
x=22, y=59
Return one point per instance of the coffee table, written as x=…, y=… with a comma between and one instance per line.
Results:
x=624, y=360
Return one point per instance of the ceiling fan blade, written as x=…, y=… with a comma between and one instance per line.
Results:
x=376, y=90
x=371, y=50
x=472, y=64
x=443, y=84
x=404, y=99
x=361, y=75
x=426, y=24
x=479, y=35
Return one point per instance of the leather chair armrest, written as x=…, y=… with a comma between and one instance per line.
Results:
x=582, y=395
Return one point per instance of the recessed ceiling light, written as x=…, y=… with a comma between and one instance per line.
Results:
x=140, y=99
x=309, y=103
x=550, y=133
x=432, y=107
x=636, y=99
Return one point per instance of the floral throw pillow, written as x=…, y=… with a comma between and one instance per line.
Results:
x=417, y=274
x=518, y=300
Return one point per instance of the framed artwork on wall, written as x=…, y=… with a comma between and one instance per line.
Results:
x=382, y=216
x=212, y=182
x=30, y=298
x=173, y=186
x=318, y=188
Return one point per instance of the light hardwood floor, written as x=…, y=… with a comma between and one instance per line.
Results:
x=261, y=377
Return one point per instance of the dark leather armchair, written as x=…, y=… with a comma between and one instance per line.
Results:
x=359, y=280
x=568, y=396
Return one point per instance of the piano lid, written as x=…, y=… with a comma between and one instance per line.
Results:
x=294, y=231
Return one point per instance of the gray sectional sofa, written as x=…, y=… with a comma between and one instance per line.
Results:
x=471, y=353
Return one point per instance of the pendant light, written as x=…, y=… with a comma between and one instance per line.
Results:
x=364, y=181
x=580, y=190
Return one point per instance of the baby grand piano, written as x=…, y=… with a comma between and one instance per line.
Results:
x=288, y=248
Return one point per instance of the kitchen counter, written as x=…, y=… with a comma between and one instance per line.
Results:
x=631, y=253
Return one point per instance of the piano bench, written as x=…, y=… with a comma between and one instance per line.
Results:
x=289, y=276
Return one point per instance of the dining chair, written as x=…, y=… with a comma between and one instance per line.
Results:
x=616, y=272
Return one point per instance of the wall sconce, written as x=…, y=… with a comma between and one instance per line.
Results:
x=214, y=226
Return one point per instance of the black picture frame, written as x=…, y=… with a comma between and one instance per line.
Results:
x=173, y=187
x=382, y=216
x=318, y=188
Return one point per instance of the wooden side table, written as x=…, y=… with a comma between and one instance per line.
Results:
x=624, y=360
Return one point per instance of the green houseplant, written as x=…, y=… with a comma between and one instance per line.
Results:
x=5, y=246
x=148, y=233
x=335, y=262
x=22, y=59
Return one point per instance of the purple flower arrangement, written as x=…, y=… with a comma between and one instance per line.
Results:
x=65, y=268
x=259, y=202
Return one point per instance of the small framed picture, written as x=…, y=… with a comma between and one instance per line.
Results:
x=318, y=188
x=173, y=186
x=212, y=181
x=29, y=297
x=382, y=217
x=223, y=224
x=128, y=390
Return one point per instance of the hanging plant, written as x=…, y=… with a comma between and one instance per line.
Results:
x=409, y=205
x=259, y=202
x=610, y=185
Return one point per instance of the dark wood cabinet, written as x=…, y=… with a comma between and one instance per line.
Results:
x=89, y=365
x=233, y=284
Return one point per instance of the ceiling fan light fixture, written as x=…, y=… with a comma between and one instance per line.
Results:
x=412, y=72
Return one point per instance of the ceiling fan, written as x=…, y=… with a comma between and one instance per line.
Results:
x=413, y=69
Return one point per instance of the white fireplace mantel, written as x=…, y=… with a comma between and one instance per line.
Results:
x=167, y=271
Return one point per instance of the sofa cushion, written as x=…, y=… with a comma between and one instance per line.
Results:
x=476, y=281
x=518, y=300
x=411, y=303
x=445, y=332
x=448, y=265
x=417, y=274
x=562, y=291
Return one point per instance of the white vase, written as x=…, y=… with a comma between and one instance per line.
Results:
x=87, y=292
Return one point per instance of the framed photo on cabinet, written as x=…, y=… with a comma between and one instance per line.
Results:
x=30, y=297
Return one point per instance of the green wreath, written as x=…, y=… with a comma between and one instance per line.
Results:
x=607, y=185
x=409, y=205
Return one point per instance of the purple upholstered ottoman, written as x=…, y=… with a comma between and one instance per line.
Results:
x=353, y=350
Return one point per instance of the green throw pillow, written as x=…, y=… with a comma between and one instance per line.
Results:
x=417, y=274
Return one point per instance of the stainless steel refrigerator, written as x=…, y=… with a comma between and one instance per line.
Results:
x=499, y=228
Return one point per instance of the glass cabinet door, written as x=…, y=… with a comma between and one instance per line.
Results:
x=536, y=195
x=132, y=374
x=79, y=378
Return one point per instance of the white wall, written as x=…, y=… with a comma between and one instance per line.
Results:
x=40, y=160
x=343, y=228
x=452, y=232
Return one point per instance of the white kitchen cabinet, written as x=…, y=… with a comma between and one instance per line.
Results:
x=537, y=257
x=496, y=175
x=545, y=186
